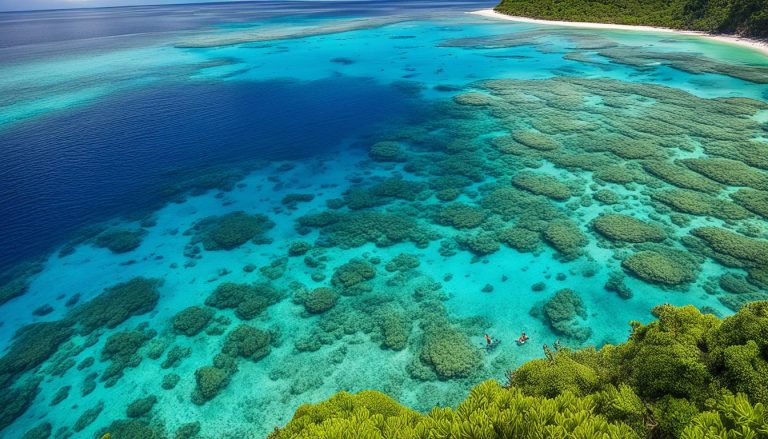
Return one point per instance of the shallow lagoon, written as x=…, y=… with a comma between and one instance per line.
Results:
x=458, y=162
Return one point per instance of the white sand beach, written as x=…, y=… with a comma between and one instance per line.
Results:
x=759, y=46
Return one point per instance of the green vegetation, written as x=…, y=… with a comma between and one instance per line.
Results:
x=745, y=17
x=687, y=375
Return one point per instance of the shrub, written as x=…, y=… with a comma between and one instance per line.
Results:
x=489, y=411
x=551, y=378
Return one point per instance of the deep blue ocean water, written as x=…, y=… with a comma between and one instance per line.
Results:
x=386, y=117
x=66, y=170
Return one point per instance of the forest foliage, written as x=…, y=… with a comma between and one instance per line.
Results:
x=743, y=17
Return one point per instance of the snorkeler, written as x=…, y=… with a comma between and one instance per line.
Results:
x=523, y=338
x=488, y=340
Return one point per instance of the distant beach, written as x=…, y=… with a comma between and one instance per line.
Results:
x=759, y=46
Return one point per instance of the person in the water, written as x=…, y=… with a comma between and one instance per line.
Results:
x=523, y=338
x=488, y=340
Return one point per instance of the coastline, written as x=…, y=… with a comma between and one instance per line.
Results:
x=757, y=45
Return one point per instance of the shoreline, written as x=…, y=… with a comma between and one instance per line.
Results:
x=757, y=45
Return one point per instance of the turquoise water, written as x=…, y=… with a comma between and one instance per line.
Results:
x=482, y=149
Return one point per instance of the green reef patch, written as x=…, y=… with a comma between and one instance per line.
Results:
x=662, y=266
x=117, y=304
x=354, y=229
x=230, y=231
x=625, y=228
x=542, y=185
x=247, y=300
x=120, y=240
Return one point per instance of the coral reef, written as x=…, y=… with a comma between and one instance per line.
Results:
x=299, y=248
x=627, y=229
x=190, y=321
x=542, y=185
x=122, y=349
x=32, y=345
x=562, y=313
x=120, y=241
x=230, y=231
x=402, y=262
x=117, y=304
x=460, y=216
x=209, y=382
x=670, y=267
x=354, y=229
x=247, y=342
x=749, y=252
x=697, y=203
x=88, y=417
x=387, y=152
x=565, y=237
x=141, y=406
x=248, y=300
x=449, y=353
x=320, y=300
x=352, y=278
